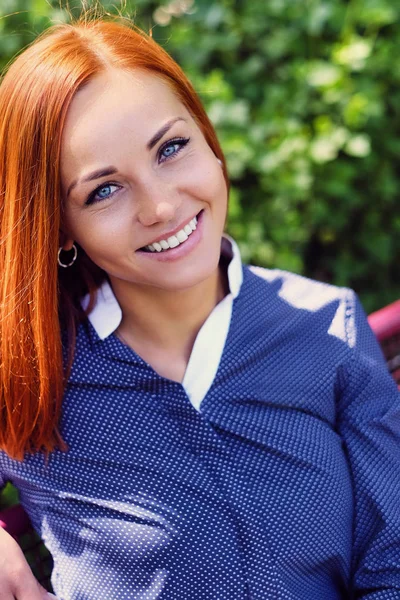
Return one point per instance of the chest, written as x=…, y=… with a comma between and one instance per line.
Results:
x=150, y=469
x=169, y=363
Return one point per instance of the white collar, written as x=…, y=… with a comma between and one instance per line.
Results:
x=107, y=315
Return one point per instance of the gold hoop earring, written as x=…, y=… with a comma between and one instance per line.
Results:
x=65, y=265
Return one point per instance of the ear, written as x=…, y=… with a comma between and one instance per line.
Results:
x=65, y=242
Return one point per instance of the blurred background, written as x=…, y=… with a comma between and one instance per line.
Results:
x=305, y=97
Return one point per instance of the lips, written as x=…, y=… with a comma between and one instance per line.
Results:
x=174, y=240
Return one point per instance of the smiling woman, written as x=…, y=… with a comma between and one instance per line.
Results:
x=161, y=445
x=164, y=176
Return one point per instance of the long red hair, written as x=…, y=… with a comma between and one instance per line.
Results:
x=39, y=301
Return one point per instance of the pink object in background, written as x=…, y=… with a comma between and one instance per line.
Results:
x=386, y=326
x=14, y=520
x=386, y=321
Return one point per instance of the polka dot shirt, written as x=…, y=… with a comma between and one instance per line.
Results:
x=283, y=485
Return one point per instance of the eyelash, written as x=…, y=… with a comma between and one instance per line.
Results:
x=180, y=142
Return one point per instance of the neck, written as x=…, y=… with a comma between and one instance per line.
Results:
x=167, y=319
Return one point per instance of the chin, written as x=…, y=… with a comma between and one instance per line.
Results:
x=197, y=273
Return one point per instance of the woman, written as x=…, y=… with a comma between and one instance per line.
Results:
x=220, y=432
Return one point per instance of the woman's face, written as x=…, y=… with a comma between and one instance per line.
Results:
x=136, y=170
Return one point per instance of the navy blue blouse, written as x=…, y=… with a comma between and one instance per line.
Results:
x=285, y=485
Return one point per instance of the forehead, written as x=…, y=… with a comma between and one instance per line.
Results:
x=119, y=106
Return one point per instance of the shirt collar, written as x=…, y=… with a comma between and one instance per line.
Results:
x=107, y=315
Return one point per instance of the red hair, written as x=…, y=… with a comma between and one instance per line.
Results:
x=37, y=300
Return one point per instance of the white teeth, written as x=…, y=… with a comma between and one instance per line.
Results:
x=174, y=240
x=182, y=236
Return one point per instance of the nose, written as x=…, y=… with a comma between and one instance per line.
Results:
x=157, y=203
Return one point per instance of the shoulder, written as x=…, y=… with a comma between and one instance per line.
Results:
x=301, y=291
x=320, y=307
x=313, y=304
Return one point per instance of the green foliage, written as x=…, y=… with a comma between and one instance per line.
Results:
x=305, y=96
x=8, y=496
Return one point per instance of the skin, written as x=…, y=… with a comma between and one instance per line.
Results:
x=16, y=579
x=110, y=122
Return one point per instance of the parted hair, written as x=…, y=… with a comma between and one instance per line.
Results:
x=39, y=301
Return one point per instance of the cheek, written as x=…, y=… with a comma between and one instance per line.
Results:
x=206, y=181
x=99, y=235
x=104, y=247
x=218, y=192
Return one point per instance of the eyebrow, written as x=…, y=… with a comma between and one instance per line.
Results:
x=94, y=175
x=104, y=172
x=161, y=132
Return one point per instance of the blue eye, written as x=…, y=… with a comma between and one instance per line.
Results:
x=171, y=148
x=102, y=193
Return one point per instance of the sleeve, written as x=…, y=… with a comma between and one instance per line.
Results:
x=369, y=423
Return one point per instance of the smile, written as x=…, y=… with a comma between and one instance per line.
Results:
x=175, y=240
